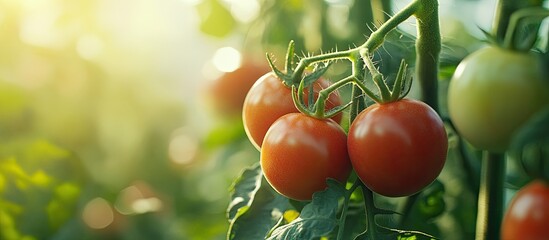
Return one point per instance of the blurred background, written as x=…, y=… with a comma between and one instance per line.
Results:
x=116, y=121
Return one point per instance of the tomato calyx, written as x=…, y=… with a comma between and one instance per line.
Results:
x=518, y=19
x=515, y=38
x=292, y=74
x=295, y=78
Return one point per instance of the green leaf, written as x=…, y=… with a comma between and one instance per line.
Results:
x=244, y=189
x=255, y=208
x=317, y=219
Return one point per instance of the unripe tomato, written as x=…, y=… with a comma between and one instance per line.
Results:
x=493, y=92
x=528, y=214
x=227, y=93
x=269, y=99
x=397, y=148
x=300, y=152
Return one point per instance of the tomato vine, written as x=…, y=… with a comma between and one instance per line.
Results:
x=325, y=213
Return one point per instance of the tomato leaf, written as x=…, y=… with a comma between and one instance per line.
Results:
x=243, y=190
x=255, y=208
x=317, y=219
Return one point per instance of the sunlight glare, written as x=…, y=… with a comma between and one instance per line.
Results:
x=38, y=26
x=245, y=11
x=89, y=46
x=227, y=59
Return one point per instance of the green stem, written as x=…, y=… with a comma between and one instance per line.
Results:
x=490, y=200
x=428, y=47
x=305, y=62
x=325, y=93
x=358, y=73
x=357, y=104
x=504, y=9
x=408, y=206
x=370, y=212
x=346, y=201
x=377, y=37
x=376, y=76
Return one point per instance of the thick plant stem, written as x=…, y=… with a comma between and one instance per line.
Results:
x=428, y=47
x=490, y=200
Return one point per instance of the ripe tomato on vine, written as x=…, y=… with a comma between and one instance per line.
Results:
x=300, y=153
x=269, y=99
x=397, y=148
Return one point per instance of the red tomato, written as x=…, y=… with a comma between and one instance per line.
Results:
x=227, y=93
x=528, y=214
x=269, y=99
x=300, y=152
x=397, y=148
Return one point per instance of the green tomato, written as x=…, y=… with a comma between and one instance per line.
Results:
x=493, y=92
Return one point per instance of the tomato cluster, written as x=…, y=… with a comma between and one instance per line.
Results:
x=396, y=148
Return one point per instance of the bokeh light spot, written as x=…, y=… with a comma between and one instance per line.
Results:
x=98, y=214
x=227, y=59
x=146, y=205
x=183, y=149
x=245, y=11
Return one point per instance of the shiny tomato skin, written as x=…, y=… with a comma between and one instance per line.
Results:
x=226, y=94
x=493, y=92
x=397, y=148
x=269, y=99
x=300, y=152
x=527, y=216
